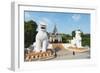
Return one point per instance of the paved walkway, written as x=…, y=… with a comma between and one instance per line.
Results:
x=68, y=54
x=65, y=55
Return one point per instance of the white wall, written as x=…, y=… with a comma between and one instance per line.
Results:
x=5, y=37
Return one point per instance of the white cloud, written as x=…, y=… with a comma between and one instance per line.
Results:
x=28, y=16
x=76, y=17
x=46, y=20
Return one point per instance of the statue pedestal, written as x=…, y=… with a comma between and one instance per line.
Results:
x=33, y=56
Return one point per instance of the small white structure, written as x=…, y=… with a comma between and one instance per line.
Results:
x=76, y=41
x=41, y=43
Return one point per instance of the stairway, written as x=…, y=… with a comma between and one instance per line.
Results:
x=58, y=45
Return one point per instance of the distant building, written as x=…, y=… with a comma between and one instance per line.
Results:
x=55, y=37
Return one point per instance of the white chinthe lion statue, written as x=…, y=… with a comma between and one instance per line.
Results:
x=77, y=40
x=41, y=43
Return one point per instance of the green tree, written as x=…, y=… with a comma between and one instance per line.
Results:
x=66, y=38
x=73, y=33
x=29, y=32
x=86, y=40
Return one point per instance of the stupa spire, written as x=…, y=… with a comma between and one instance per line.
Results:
x=55, y=29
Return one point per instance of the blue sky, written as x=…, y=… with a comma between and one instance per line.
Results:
x=65, y=22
